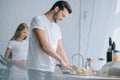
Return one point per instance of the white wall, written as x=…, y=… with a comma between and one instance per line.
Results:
x=100, y=21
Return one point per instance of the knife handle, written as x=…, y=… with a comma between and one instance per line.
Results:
x=59, y=65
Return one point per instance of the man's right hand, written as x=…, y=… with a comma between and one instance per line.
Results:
x=65, y=66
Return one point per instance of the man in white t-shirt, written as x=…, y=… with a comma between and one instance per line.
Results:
x=45, y=45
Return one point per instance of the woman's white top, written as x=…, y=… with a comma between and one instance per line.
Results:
x=19, y=49
x=19, y=52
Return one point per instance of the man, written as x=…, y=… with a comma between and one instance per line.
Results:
x=45, y=45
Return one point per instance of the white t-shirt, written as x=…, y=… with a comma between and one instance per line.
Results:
x=37, y=59
x=19, y=52
x=19, y=49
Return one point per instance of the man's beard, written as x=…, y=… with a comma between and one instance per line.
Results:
x=55, y=17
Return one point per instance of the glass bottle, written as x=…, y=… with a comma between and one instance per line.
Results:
x=89, y=66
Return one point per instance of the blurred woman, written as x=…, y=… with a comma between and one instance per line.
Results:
x=18, y=46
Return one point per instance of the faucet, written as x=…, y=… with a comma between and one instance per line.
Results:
x=77, y=54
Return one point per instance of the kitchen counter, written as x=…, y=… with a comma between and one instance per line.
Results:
x=59, y=76
x=74, y=77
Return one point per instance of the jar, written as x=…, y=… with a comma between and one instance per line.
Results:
x=89, y=66
x=116, y=56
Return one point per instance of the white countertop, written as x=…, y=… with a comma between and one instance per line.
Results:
x=74, y=77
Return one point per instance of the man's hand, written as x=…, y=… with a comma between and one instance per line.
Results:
x=64, y=65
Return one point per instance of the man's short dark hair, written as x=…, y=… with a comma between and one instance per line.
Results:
x=62, y=5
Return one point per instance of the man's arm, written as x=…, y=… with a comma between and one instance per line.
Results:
x=61, y=52
x=40, y=34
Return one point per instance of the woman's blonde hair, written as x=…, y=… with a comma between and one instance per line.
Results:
x=21, y=27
